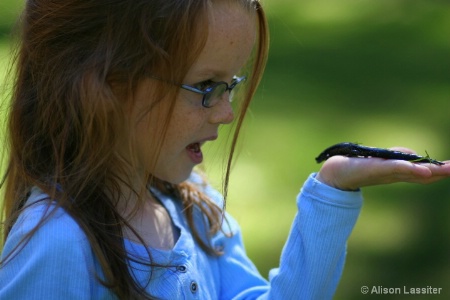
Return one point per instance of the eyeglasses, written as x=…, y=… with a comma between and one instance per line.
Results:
x=213, y=93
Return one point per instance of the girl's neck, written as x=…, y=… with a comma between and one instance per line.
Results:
x=152, y=224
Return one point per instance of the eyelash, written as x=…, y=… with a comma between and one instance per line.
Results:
x=204, y=84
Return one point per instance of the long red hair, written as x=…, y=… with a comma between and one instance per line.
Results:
x=77, y=61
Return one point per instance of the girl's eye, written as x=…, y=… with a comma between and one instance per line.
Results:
x=204, y=85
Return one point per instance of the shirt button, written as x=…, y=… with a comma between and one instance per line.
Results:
x=182, y=269
x=219, y=248
x=194, y=287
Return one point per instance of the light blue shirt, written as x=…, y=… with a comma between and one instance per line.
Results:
x=58, y=262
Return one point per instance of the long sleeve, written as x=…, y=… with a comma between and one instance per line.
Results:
x=56, y=263
x=313, y=257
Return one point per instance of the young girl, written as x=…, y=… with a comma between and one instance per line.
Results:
x=112, y=103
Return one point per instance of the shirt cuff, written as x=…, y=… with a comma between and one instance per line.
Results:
x=319, y=191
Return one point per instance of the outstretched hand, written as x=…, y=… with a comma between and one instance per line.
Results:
x=346, y=173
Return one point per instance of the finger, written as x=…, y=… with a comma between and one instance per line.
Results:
x=415, y=172
x=438, y=170
x=352, y=173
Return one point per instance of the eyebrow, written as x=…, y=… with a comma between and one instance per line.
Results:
x=208, y=73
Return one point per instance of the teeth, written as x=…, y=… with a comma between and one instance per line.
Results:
x=195, y=147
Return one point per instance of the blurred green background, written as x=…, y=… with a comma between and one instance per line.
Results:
x=370, y=71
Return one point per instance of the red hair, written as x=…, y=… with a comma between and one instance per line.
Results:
x=76, y=63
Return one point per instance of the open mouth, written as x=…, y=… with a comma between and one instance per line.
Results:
x=194, y=150
x=194, y=147
x=195, y=153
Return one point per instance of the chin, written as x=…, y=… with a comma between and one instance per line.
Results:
x=176, y=178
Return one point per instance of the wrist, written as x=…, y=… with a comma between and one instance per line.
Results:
x=331, y=181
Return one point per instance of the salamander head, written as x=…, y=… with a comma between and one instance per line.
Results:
x=322, y=157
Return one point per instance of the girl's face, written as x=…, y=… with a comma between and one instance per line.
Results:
x=231, y=37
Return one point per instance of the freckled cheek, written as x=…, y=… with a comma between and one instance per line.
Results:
x=146, y=142
x=183, y=131
x=176, y=136
x=184, y=127
x=149, y=133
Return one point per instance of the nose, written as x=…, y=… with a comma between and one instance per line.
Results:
x=222, y=112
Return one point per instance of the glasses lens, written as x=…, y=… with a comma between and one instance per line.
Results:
x=214, y=94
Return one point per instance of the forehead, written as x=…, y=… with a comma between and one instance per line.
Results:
x=231, y=36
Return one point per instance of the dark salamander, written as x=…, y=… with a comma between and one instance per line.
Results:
x=355, y=150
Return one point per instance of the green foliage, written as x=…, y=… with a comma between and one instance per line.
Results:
x=352, y=71
x=377, y=72
x=9, y=11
